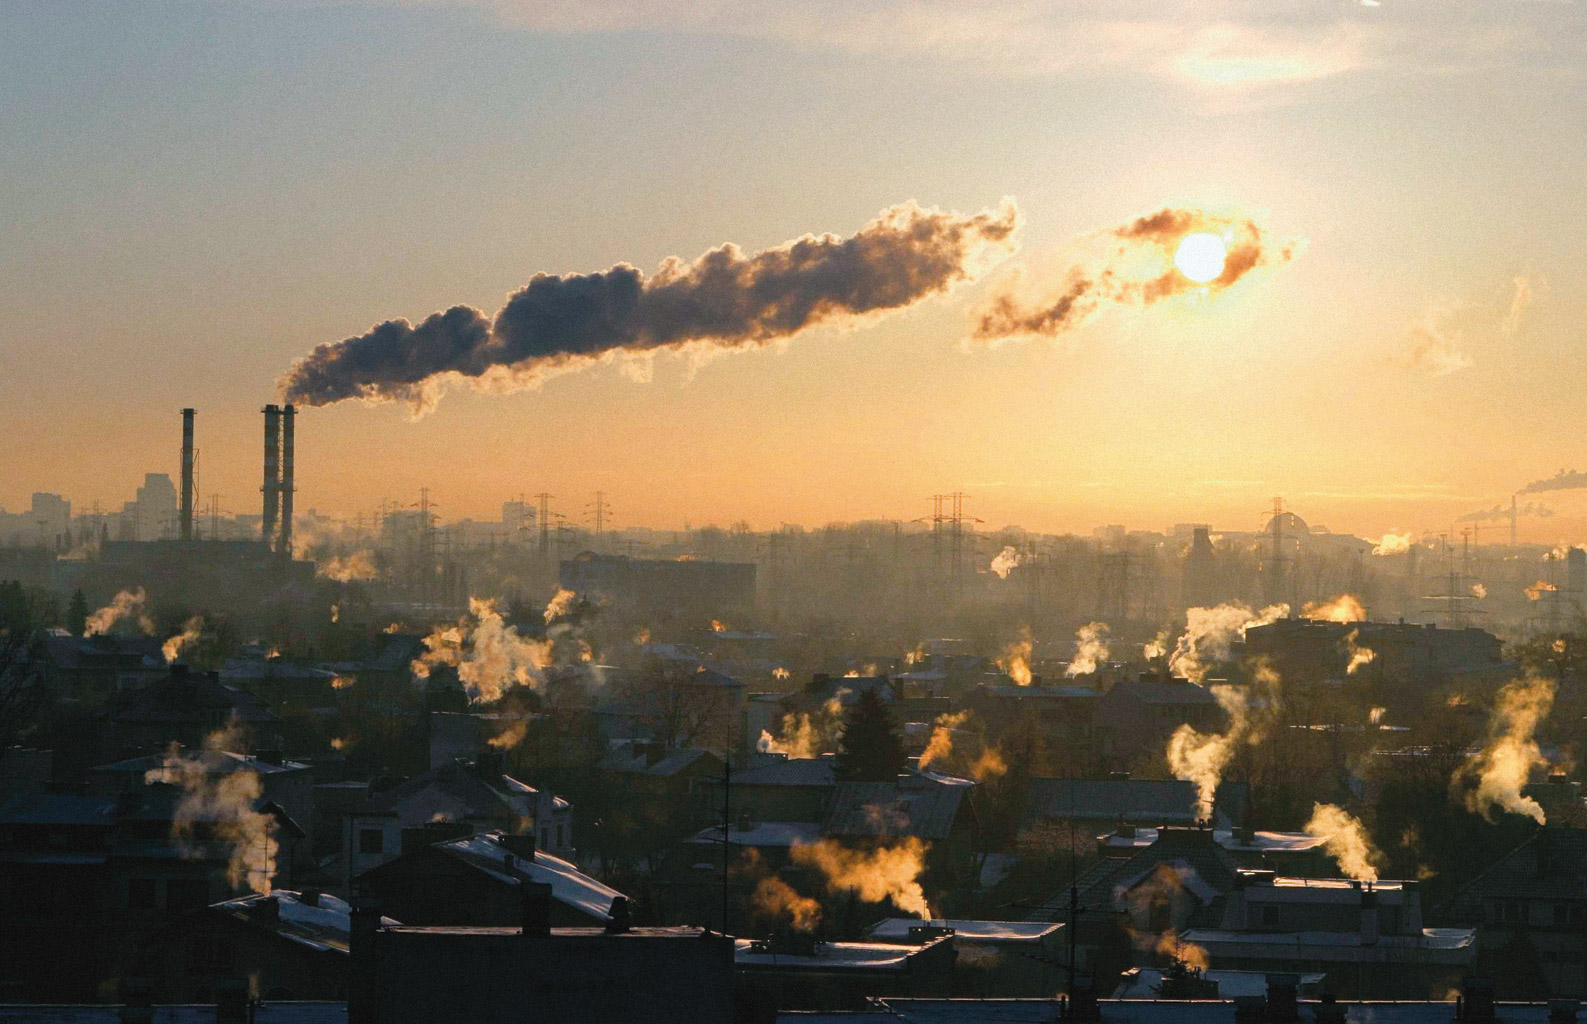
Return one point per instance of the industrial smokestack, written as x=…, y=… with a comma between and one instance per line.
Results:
x=272, y=470
x=288, y=416
x=187, y=474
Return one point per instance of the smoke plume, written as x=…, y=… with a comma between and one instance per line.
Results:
x=1499, y=513
x=192, y=629
x=1564, y=480
x=489, y=655
x=805, y=737
x=940, y=746
x=360, y=565
x=1479, y=591
x=1536, y=591
x=1091, y=649
x=1346, y=839
x=1360, y=656
x=1344, y=608
x=225, y=803
x=1137, y=271
x=1006, y=561
x=1201, y=758
x=776, y=898
x=1157, y=647
x=887, y=873
x=1394, y=544
x=1501, y=768
x=725, y=300
x=1015, y=659
x=1209, y=632
x=127, y=606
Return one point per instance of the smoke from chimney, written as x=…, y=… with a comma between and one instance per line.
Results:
x=724, y=300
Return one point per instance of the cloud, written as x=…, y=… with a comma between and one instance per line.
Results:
x=1514, y=318
x=1136, y=271
x=1435, y=347
x=723, y=301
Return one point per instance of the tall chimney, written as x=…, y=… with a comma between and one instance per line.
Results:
x=288, y=415
x=187, y=474
x=272, y=471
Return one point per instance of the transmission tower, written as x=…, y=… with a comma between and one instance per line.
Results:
x=545, y=523
x=597, y=511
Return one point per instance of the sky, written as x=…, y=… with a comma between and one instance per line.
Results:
x=196, y=195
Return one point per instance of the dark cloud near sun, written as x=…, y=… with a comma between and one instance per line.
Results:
x=1136, y=271
x=724, y=300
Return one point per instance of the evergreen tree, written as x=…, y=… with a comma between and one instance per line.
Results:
x=77, y=614
x=870, y=750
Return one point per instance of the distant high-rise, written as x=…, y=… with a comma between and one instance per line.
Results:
x=155, y=510
x=1201, y=569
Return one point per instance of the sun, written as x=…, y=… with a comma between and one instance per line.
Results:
x=1200, y=256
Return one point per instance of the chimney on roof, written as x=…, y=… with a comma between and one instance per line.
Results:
x=309, y=897
x=137, y=1001
x=1282, y=1007
x=363, y=930
x=187, y=475
x=1369, y=918
x=536, y=908
x=1475, y=1002
x=521, y=846
x=272, y=472
x=267, y=908
x=618, y=918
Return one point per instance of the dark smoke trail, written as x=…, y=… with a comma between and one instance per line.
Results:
x=1499, y=512
x=1148, y=241
x=1562, y=481
x=725, y=299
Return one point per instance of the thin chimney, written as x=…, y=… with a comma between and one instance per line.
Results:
x=288, y=416
x=187, y=474
x=272, y=470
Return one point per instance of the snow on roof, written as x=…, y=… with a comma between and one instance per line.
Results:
x=763, y=833
x=830, y=955
x=1189, y=877
x=1276, y=842
x=569, y=885
x=1143, y=983
x=323, y=926
x=897, y=928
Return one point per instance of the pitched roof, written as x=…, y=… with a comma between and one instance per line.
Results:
x=185, y=696
x=1139, y=801
x=324, y=925
x=923, y=810
x=792, y=771
x=1550, y=864
x=631, y=759
x=1205, y=869
x=1157, y=691
x=569, y=885
x=481, y=798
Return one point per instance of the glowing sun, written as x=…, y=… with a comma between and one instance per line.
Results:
x=1200, y=256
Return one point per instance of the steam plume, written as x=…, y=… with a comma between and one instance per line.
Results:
x=1006, y=561
x=360, y=565
x=940, y=745
x=560, y=604
x=725, y=300
x=1394, y=544
x=1091, y=649
x=489, y=655
x=1138, y=271
x=1202, y=757
x=1360, y=656
x=1344, y=608
x=886, y=873
x=192, y=629
x=1209, y=632
x=1346, y=839
x=805, y=737
x=126, y=606
x=1536, y=591
x=1015, y=659
x=1502, y=512
x=1479, y=591
x=1502, y=766
x=225, y=801
x=990, y=765
x=777, y=898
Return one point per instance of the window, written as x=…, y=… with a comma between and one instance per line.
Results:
x=140, y=894
x=1511, y=912
x=371, y=840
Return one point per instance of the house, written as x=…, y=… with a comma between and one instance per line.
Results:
x=775, y=788
x=478, y=795
x=1290, y=853
x=290, y=945
x=1058, y=803
x=283, y=684
x=93, y=667
x=1139, y=715
x=1066, y=715
x=1530, y=913
x=923, y=806
x=669, y=788
x=479, y=879
x=185, y=707
x=1368, y=937
x=799, y=972
x=406, y=974
x=86, y=881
